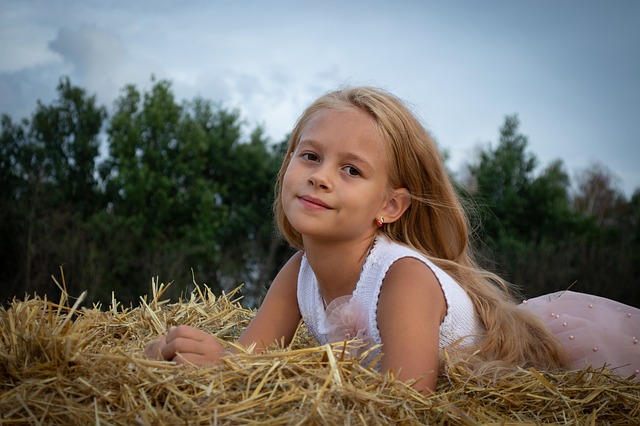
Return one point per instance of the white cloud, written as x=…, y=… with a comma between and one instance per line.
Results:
x=100, y=61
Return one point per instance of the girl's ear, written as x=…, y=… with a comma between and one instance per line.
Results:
x=398, y=202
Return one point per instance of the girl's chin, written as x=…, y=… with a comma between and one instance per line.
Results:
x=311, y=230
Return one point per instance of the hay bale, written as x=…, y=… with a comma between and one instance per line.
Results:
x=61, y=364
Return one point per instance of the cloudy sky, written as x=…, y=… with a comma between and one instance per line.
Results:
x=570, y=69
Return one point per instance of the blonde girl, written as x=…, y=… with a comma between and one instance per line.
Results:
x=384, y=253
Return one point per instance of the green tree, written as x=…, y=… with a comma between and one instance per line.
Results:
x=151, y=180
x=187, y=191
x=66, y=142
x=50, y=174
x=249, y=235
x=13, y=188
x=515, y=201
x=543, y=239
x=550, y=214
x=502, y=179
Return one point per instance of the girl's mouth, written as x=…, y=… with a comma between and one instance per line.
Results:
x=313, y=203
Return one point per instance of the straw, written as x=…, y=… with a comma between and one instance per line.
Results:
x=62, y=364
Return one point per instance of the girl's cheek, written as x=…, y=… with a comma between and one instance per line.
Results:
x=286, y=182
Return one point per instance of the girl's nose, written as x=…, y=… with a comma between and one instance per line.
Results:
x=320, y=180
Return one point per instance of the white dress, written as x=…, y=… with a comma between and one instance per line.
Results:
x=593, y=330
x=355, y=316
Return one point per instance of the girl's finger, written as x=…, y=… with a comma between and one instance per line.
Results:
x=185, y=331
x=153, y=349
x=179, y=345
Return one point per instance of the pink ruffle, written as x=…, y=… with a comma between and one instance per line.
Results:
x=346, y=319
x=593, y=330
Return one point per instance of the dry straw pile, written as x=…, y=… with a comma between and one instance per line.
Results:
x=61, y=364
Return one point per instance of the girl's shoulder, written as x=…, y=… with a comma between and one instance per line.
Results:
x=410, y=281
x=287, y=277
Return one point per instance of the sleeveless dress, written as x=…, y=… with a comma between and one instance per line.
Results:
x=355, y=316
x=593, y=330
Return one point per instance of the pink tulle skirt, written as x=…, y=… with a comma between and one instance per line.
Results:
x=594, y=330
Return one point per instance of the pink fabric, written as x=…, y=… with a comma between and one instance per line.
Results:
x=594, y=330
x=347, y=320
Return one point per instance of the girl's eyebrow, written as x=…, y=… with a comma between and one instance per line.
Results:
x=343, y=155
x=359, y=161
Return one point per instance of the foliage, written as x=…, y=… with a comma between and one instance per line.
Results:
x=180, y=189
x=50, y=187
x=544, y=239
x=177, y=190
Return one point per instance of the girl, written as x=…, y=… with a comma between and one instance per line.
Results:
x=383, y=253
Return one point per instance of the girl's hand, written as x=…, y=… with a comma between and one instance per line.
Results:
x=186, y=345
x=276, y=321
x=153, y=349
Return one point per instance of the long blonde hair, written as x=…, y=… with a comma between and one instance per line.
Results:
x=436, y=225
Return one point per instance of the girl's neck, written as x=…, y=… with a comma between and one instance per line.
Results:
x=337, y=265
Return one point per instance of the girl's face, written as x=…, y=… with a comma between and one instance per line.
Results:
x=336, y=183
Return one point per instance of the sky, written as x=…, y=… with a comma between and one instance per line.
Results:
x=569, y=69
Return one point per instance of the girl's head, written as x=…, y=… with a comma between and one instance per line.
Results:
x=434, y=223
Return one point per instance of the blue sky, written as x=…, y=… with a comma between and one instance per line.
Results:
x=569, y=69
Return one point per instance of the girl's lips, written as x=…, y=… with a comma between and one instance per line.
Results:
x=313, y=203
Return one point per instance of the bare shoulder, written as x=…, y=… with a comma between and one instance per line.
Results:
x=284, y=286
x=411, y=282
x=288, y=274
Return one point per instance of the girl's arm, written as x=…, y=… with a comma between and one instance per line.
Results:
x=275, y=322
x=278, y=317
x=410, y=310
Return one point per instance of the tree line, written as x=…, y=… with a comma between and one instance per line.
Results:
x=178, y=191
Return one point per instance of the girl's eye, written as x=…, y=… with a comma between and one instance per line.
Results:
x=310, y=156
x=352, y=171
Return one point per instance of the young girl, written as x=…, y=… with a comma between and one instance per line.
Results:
x=383, y=253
